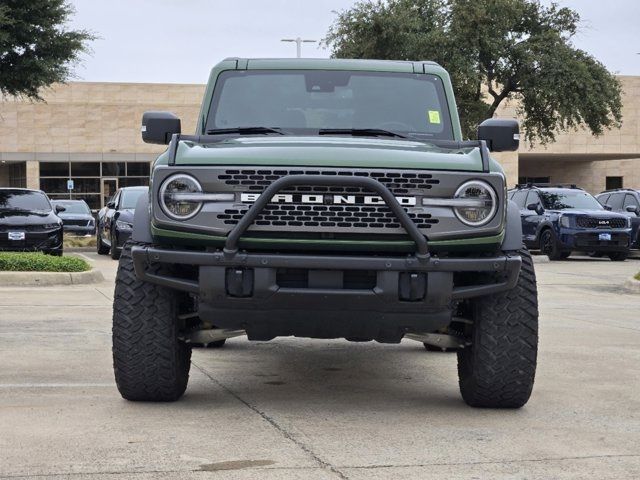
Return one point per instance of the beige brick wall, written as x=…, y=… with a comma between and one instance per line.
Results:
x=625, y=140
x=579, y=157
x=589, y=175
x=104, y=118
x=89, y=117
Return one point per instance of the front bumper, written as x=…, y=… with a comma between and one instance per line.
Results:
x=121, y=237
x=46, y=240
x=271, y=295
x=588, y=240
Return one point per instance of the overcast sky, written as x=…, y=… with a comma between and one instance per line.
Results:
x=178, y=41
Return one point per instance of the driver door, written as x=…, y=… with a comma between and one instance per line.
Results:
x=532, y=219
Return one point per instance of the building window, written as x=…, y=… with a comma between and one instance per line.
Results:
x=113, y=169
x=138, y=169
x=611, y=183
x=88, y=179
x=54, y=169
x=527, y=180
x=85, y=169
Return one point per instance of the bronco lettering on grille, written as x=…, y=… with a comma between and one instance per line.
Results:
x=327, y=199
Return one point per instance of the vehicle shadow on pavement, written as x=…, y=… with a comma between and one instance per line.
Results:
x=325, y=376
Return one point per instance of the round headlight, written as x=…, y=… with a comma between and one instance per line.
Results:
x=177, y=199
x=476, y=203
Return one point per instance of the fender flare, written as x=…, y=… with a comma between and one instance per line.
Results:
x=542, y=226
x=142, y=221
x=513, y=230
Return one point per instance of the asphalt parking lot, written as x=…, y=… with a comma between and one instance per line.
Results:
x=322, y=409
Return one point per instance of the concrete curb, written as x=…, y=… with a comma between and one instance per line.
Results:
x=632, y=285
x=540, y=259
x=46, y=279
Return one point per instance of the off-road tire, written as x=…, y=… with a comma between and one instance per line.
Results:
x=101, y=248
x=618, y=256
x=549, y=246
x=113, y=250
x=149, y=361
x=498, y=369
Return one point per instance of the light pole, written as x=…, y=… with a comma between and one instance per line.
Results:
x=298, y=41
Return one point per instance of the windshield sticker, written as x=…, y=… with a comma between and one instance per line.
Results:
x=434, y=116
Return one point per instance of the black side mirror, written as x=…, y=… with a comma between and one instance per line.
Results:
x=59, y=208
x=111, y=204
x=536, y=207
x=158, y=127
x=608, y=207
x=632, y=209
x=501, y=134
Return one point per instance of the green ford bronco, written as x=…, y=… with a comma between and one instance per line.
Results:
x=327, y=199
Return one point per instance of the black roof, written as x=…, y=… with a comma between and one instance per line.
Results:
x=634, y=190
x=547, y=186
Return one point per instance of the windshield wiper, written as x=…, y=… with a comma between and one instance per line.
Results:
x=361, y=132
x=245, y=130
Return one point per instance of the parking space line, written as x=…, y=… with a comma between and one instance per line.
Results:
x=56, y=385
x=87, y=258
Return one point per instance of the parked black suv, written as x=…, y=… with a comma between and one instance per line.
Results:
x=29, y=222
x=627, y=202
x=76, y=217
x=115, y=220
x=559, y=220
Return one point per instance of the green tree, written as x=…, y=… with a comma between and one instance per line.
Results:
x=36, y=47
x=494, y=50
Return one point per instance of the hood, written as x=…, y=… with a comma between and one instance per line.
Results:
x=328, y=151
x=13, y=218
x=590, y=213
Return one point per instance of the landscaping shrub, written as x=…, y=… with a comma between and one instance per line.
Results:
x=39, y=262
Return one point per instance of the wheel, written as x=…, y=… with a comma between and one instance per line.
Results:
x=54, y=253
x=618, y=256
x=101, y=247
x=498, y=369
x=549, y=246
x=564, y=255
x=149, y=361
x=113, y=250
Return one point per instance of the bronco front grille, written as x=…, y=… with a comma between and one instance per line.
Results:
x=320, y=216
x=399, y=183
x=594, y=222
x=340, y=216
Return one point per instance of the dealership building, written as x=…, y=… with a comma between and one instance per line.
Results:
x=90, y=133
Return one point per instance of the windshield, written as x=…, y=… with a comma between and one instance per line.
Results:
x=305, y=102
x=74, y=207
x=130, y=198
x=564, y=200
x=24, y=200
